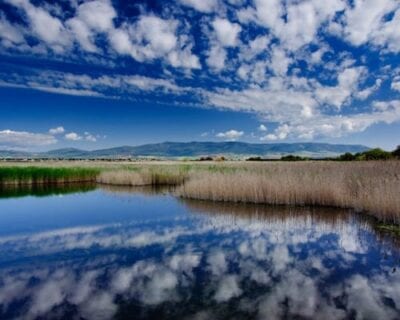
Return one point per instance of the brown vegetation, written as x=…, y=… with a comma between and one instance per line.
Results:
x=363, y=186
x=146, y=175
x=370, y=186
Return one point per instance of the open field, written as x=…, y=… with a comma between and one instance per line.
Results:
x=372, y=186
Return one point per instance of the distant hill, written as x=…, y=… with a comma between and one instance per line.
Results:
x=196, y=149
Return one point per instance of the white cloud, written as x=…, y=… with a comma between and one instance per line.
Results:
x=66, y=91
x=395, y=85
x=57, y=130
x=91, y=17
x=73, y=136
x=153, y=38
x=254, y=47
x=348, y=81
x=97, y=15
x=226, y=32
x=82, y=34
x=89, y=137
x=206, y=6
x=279, y=61
x=156, y=35
x=228, y=288
x=280, y=133
x=10, y=138
x=48, y=28
x=302, y=19
x=10, y=33
x=364, y=19
x=85, y=85
x=149, y=84
x=262, y=127
x=337, y=125
x=275, y=103
x=365, y=93
x=230, y=135
x=216, y=58
x=217, y=263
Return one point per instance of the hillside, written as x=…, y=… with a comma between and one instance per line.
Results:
x=195, y=149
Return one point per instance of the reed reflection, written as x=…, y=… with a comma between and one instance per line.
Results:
x=219, y=261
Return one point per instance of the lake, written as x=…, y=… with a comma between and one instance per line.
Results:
x=112, y=253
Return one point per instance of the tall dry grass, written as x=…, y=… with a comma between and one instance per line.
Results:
x=363, y=186
x=371, y=186
x=146, y=175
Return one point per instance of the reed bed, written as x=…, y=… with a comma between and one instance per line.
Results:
x=33, y=175
x=146, y=175
x=373, y=187
x=368, y=186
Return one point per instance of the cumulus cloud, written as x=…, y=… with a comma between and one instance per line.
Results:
x=90, y=137
x=10, y=34
x=152, y=38
x=338, y=125
x=48, y=28
x=262, y=127
x=10, y=138
x=348, y=81
x=206, y=6
x=73, y=136
x=365, y=22
x=230, y=135
x=395, y=85
x=226, y=32
x=227, y=289
x=57, y=130
x=276, y=59
x=216, y=57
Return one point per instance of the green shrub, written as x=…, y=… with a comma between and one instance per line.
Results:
x=292, y=158
x=347, y=157
x=376, y=154
x=396, y=153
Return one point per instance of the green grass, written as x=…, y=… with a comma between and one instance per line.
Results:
x=390, y=228
x=37, y=175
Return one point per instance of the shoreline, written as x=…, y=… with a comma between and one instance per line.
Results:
x=372, y=188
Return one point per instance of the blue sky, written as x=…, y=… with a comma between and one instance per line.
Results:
x=100, y=73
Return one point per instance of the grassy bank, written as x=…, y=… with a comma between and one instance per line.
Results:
x=364, y=186
x=145, y=175
x=372, y=186
x=33, y=175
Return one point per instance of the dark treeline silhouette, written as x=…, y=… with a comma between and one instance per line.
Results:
x=372, y=154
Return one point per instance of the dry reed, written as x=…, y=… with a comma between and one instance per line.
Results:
x=364, y=186
x=144, y=176
x=370, y=186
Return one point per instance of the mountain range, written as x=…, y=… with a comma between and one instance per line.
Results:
x=195, y=149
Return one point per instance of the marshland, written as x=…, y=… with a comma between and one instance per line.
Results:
x=108, y=252
x=368, y=187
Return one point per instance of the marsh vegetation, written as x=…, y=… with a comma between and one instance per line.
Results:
x=35, y=175
x=365, y=186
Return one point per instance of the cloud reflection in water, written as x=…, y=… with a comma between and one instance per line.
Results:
x=219, y=261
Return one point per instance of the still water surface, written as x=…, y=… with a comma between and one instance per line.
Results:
x=129, y=254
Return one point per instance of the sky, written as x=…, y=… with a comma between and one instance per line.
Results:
x=101, y=73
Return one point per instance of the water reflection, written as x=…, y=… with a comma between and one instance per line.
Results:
x=43, y=190
x=215, y=261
